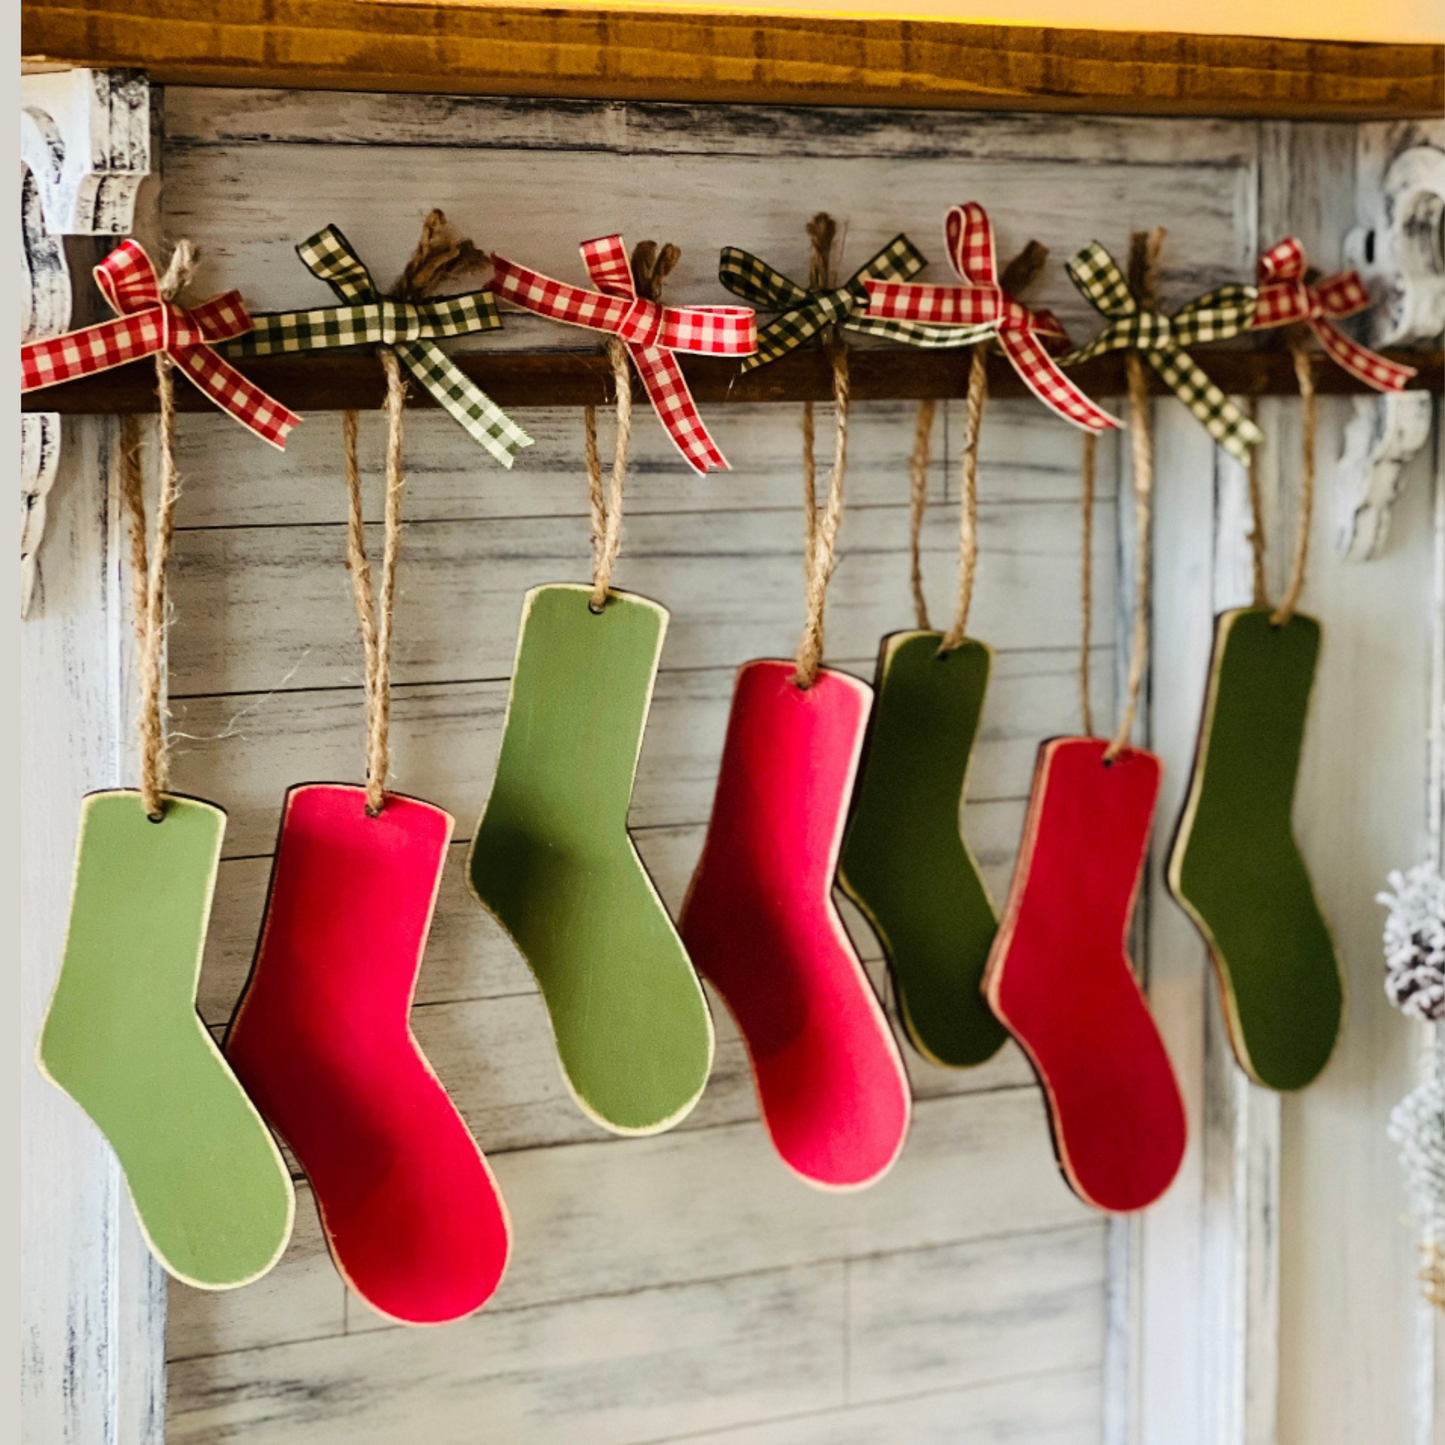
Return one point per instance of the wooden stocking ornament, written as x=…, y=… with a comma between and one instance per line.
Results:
x=121, y=1035
x=1059, y=974
x=1060, y=977
x=760, y=921
x=553, y=862
x=322, y=1039
x=762, y=927
x=905, y=861
x=322, y=1036
x=552, y=859
x=1235, y=867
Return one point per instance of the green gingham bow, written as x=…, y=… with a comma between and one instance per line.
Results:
x=1161, y=340
x=407, y=327
x=802, y=313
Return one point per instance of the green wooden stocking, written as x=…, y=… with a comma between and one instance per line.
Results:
x=1235, y=866
x=122, y=1038
x=553, y=862
x=905, y=862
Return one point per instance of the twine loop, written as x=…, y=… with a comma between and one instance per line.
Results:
x=651, y=266
x=148, y=574
x=820, y=526
x=1087, y=465
x=1144, y=248
x=917, y=505
x=1305, y=376
x=440, y=255
x=1018, y=275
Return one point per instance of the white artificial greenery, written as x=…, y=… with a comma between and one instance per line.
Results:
x=1415, y=942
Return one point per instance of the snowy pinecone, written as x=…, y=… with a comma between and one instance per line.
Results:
x=1415, y=942
x=1417, y=1125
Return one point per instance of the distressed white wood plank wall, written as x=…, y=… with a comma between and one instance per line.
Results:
x=681, y=1286
x=1347, y=1247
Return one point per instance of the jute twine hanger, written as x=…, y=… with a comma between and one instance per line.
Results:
x=651, y=266
x=1144, y=247
x=148, y=578
x=1017, y=276
x=440, y=255
x=820, y=529
x=1304, y=373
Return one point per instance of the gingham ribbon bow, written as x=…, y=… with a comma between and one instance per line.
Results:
x=802, y=314
x=146, y=324
x=407, y=327
x=651, y=332
x=1285, y=296
x=980, y=309
x=1161, y=340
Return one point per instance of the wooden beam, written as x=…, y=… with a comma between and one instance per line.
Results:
x=321, y=382
x=466, y=46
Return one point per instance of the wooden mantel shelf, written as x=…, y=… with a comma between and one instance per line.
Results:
x=474, y=47
x=528, y=379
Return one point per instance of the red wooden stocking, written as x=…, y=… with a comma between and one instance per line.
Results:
x=761, y=925
x=323, y=1044
x=1060, y=979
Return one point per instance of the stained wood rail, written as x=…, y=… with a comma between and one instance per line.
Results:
x=527, y=379
x=483, y=48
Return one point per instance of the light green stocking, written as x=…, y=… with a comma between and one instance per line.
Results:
x=122, y=1038
x=553, y=862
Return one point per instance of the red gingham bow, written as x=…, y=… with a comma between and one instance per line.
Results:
x=651, y=332
x=982, y=303
x=148, y=323
x=1285, y=296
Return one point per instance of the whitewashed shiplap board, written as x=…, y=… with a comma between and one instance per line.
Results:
x=672, y=1286
x=682, y=1286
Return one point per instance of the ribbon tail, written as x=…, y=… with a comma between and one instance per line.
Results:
x=1369, y=366
x=478, y=415
x=1050, y=385
x=1219, y=416
x=238, y=397
x=666, y=388
x=786, y=332
x=56, y=359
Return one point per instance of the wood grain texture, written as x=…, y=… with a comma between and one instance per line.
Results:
x=605, y=1222
x=802, y=60
x=265, y=609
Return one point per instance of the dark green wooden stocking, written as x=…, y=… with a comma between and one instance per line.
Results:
x=553, y=862
x=1235, y=866
x=905, y=862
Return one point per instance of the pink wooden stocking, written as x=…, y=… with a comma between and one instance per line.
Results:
x=761, y=926
x=323, y=1044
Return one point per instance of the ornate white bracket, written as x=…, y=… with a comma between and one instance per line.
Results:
x=1399, y=248
x=84, y=151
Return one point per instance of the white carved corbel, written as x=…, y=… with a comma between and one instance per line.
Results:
x=84, y=151
x=1399, y=249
